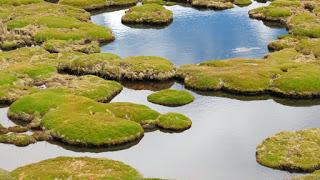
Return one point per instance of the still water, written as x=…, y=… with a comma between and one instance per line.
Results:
x=221, y=142
x=193, y=36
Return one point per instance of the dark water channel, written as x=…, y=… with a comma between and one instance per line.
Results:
x=226, y=130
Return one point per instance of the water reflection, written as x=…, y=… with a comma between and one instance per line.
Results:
x=193, y=36
x=220, y=145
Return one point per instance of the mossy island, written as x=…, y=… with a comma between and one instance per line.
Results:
x=171, y=97
x=150, y=14
x=76, y=168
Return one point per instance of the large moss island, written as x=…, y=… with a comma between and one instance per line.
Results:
x=74, y=168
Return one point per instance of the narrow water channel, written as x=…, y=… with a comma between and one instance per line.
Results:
x=226, y=130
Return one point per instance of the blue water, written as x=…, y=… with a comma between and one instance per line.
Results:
x=194, y=35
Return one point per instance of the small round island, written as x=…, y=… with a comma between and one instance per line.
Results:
x=171, y=97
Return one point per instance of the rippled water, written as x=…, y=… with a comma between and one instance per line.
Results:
x=226, y=129
x=193, y=36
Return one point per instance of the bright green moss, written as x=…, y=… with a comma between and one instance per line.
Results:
x=171, y=97
x=174, y=121
x=97, y=4
x=19, y=2
x=76, y=168
x=295, y=151
x=273, y=12
x=87, y=123
x=112, y=67
x=148, y=14
x=309, y=47
x=242, y=2
x=135, y=112
x=286, y=3
x=5, y=175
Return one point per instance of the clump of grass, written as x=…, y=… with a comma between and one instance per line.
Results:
x=242, y=2
x=174, y=121
x=98, y=4
x=113, y=67
x=294, y=151
x=76, y=168
x=212, y=4
x=148, y=14
x=171, y=97
x=59, y=46
x=17, y=139
x=85, y=122
x=135, y=112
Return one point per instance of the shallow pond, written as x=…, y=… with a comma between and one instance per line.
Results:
x=221, y=143
x=193, y=36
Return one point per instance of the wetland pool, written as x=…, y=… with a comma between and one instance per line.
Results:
x=226, y=129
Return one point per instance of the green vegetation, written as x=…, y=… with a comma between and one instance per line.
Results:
x=294, y=151
x=32, y=24
x=58, y=46
x=5, y=175
x=19, y=2
x=76, y=168
x=87, y=123
x=112, y=67
x=148, y=14
x=171, y=97
x=160, y=2
x=212, y=4
x=135, y=112
x=174, y=121
x=98, y=4
x=17, y=139
x=242, y=2
x=280, y=73
x=314, y=176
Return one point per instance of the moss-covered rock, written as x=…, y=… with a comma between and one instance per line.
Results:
x=313, y=176
x=37, y=23
x=147, y=14
x=171, y=97
x=89, y=86
x=284, y=73
x=58, y=46
x=135, y=112
x=76, y=168
x=17, y=139
x=5, y=175
x=294, y=151
x=242, y=2
x=212, y=4
x=85, y=122
x=174, y=122
x=98, y=4
x=111, y=66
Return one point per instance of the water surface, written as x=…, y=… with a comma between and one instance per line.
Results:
x=193, y=36
x=226, y=130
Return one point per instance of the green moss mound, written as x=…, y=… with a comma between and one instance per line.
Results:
x=170, y=97
x=242, y=2
x=314, y=176
x=281, y=73
x=76, y=168
x=212, y=4
x=19, y=2
x=111, y=66
x=294, y=151
x=148, y=14
x=135, y=112
x=87, y=123
x=5, y=175
x=98, y=4
x=174, y=121
x=17, y=139
x=58, y=46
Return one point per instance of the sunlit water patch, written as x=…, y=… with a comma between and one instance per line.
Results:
x=193, y=36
